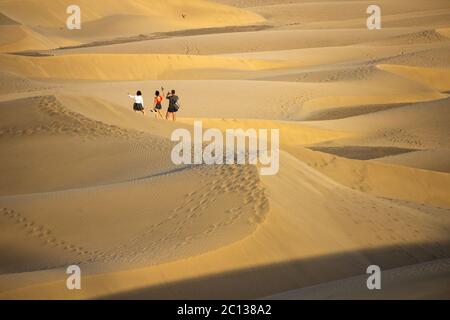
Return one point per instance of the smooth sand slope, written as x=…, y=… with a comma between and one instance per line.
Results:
x=335, y=244
x=412, y=282
x=109, y=19
x=117, y=67
x=364, y=173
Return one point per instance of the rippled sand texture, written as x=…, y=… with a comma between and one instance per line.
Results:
x=364, y=120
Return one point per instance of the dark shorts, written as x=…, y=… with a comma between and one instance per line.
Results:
x=158, y=107
x=172, y=109
x=138, y=107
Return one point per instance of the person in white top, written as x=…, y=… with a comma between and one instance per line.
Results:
x=138, y=105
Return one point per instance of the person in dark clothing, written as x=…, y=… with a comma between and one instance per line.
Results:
x=173, y=105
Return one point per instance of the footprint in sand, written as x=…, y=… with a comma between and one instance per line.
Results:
x=34, y=230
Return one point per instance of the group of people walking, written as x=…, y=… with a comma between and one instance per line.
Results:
x=171, y=96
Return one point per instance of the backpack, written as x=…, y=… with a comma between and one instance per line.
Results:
x=176, y=105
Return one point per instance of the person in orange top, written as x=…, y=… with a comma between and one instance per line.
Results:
x=157, y=105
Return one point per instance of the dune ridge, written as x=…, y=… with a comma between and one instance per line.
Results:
x=132, y=67
x=437, y=78
x=113, y=19
x=247, y=253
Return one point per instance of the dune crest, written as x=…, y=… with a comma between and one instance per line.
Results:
x=436, y=78
x=133, y=67
x=106, y=19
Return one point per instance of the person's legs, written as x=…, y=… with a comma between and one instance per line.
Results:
x=167, y=115
x=173, y=115
x=160, y=114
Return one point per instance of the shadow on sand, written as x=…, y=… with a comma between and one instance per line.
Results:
x=267, y=280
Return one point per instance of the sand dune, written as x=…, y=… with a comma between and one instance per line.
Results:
x=198, y=12
x=364, y=176
x=13, y=83
x=356, y=93
x=437, y=78
x=415, y=38
x=423, y=281
x=429, y=56
x=334, y=14
x=18, y=38
x=7, y=21
x=239, y=42
x=419, y=125
x=297, y=100
x=137, y=177
x=380, y=179
x=42, y=122
x=133, y=67
x=113, y=19
x=264, y=250
x=205, y=220
x=435, y=160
